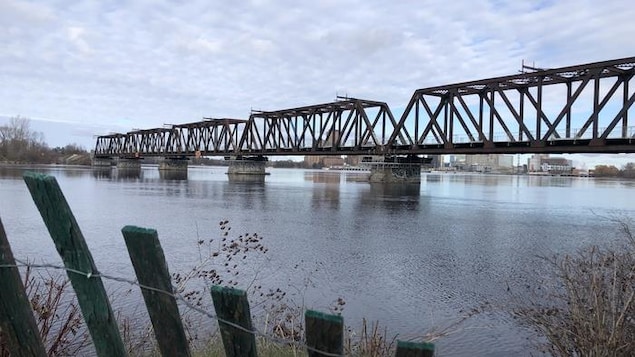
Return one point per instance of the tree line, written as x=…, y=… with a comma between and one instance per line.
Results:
x=19, y=144
x=627, y=171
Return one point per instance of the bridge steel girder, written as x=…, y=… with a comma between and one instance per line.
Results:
x=347, y=126
x=108, y=146
x=524, y=113
x=211, y=137
x=205, y=138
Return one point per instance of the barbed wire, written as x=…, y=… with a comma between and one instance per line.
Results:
x=254, y=331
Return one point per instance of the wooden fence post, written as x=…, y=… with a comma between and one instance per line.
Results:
x=324, y=332
x=16, y=317
x=414, y=349
x=152, y=271
x=71, y=246
x=232, y=305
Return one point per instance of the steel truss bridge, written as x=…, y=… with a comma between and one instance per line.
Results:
x=577, y=109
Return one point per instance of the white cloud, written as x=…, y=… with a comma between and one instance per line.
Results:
x=77, y=35
x=161, y=61
x=203, y=46
x=14, y=12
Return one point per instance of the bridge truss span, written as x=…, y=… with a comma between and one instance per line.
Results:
x=210, y=137
x=582, y=108
x=346, y=126
x=205, y=138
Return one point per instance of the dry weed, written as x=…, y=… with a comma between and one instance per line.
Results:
x=586, y=307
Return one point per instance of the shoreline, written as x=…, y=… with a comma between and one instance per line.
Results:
x=4, y=165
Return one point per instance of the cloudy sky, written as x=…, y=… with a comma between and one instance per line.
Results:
x=79, y=68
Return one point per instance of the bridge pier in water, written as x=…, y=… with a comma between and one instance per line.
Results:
x=128, y=168
x=102, y=162
x=397, y=169
x=395, y=173
x=128, y=164
x=247, y=165
x=173, y=168
x=173, y=164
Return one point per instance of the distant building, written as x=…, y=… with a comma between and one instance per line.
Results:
x=318, y=162
x=457, y=162
x=550, y=165
x=352, y=160
x=313, y=162
x=332, y=139
x=329, y=161
x=373, y=158
x=556, y=165
x=437, y=161
x=535, y=161
x=489, y=163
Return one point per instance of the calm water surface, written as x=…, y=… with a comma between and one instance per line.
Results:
x=411, y=256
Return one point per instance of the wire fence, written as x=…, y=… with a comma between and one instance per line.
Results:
x=96, y=274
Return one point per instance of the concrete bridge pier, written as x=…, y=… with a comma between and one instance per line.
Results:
x=395, y=173
x=397, y=169
x=173, y=168
x=128, y=168
x=247, y=165
x=128, y=164
x=100, y=162
x=173, y=164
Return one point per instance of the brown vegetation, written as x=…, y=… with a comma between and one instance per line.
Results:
x=58, y=317
x=587, y=306
x=627, y=171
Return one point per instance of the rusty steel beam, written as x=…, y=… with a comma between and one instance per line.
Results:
x=109, y=145
x=346, y=125
x=204, y=138
x=478, y=116
x=610, y=68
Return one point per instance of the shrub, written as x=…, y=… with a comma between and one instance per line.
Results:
x=586, y=306
x=58, y=317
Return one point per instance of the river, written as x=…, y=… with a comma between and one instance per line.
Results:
x=412, y=257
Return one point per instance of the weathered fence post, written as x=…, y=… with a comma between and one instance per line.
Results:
x=324, y=333
x=71, y=246
x=414, y=349
x=16, y=317
x=152, y=271
x=231, y=305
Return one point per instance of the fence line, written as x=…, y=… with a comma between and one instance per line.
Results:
x=177, y=296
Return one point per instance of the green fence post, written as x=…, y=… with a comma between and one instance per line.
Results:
x=324, y=332
x=152, y=271
x=414, y=349
x=71, y=246
x=16, y=317
x=232, y=305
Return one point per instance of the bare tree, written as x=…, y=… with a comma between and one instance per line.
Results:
x=628, y=170
x=18, y=143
